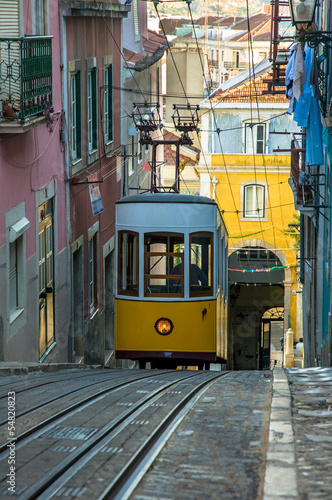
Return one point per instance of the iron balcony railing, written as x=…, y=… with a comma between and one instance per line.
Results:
x=300, y=179
x=25, y=77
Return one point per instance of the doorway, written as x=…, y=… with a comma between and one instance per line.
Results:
x=46, y=277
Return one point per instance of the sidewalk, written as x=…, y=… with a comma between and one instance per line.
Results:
x=299, y=458
x=311, y=405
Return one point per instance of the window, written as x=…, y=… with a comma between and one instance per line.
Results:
x=201, y=264
x=130, y=154
x=128, y=263
x=75, y=113
x=255, y=138
x=93, y=273
x=254, y=201
x=40, y=17
x=15, y=249
x=163, y=264
x=139, y=147
x=108, y=103
x=236, y=59
x=17, y=228
x=92, y=109
x=135, y=10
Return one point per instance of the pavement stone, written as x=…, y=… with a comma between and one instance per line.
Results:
x=311, y=404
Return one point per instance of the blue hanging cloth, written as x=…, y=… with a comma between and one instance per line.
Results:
x=307, y=114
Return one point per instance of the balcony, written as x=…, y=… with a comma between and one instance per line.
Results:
x=25, y=82
x=300, y=181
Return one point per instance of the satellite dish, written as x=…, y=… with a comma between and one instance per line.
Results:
x=132, y=131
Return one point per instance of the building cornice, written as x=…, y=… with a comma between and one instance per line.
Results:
x=72, y=8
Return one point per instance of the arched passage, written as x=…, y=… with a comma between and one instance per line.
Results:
x=257, y=283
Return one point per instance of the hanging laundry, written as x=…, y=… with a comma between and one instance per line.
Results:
x=307, y=114
x=295, y=76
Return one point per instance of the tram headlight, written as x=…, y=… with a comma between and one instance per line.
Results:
x=163, y=326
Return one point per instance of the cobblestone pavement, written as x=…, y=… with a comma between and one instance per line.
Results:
x=311, y=391
x=219, y=450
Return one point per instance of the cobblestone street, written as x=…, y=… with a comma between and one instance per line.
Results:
x=251, y=435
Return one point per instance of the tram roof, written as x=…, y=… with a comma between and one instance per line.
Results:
x=166, y=198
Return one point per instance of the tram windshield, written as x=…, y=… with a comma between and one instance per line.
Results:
x=163, y=264
x=201, y=271
x=128, y=263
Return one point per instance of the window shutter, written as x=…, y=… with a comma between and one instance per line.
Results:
x=9, y=18
x=10, y=70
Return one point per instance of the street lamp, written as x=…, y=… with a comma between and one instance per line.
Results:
x=302, y=12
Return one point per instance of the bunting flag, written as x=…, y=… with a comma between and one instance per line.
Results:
x=146, y=166
x=263, y=270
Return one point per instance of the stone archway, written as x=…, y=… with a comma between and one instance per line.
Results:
x=248, y=303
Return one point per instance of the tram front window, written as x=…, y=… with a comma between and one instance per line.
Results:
x=162, y=253
x=128, y=263
x=201, y=260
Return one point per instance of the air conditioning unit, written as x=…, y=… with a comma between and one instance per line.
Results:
x=327, y=120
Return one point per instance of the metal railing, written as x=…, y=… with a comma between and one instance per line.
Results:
x=25, y=76
x=304, y=194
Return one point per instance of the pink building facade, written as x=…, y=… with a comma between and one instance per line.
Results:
x=91, y=82
x=34, y=313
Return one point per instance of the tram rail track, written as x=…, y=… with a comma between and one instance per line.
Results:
x=65, y=411
x=178, y=389
x=44, y=403
x=37, y=380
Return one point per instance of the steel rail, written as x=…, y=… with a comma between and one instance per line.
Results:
x=127, y=480
x=46, y=402
x=12, y=385
x=59, y=416
x=46, y=486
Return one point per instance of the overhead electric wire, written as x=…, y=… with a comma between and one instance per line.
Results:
x=214, y=118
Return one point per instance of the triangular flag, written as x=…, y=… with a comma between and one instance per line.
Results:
x=146, y=166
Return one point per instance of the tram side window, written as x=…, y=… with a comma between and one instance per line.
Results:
x=201, y=264
x=128, y=263
x=163, y=264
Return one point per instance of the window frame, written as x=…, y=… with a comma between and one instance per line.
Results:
x=206, y=293
x=254, y=186
x=76, y=118
x=108, y=104
x=91, y=112
x=132, y=293
x=251, y=140
x=169, y=237
x=131, y=155
x=17, y=225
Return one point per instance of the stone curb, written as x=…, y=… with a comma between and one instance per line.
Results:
x=9, y=369
x=280, y=473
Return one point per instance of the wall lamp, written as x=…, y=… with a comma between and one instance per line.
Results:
x=303, y=12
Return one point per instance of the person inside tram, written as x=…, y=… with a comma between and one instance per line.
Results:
x=198, y=277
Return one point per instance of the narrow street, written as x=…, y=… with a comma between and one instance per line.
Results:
x=246, y=434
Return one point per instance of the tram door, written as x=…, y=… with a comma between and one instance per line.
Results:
x=264, y=355
x=46, y=285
